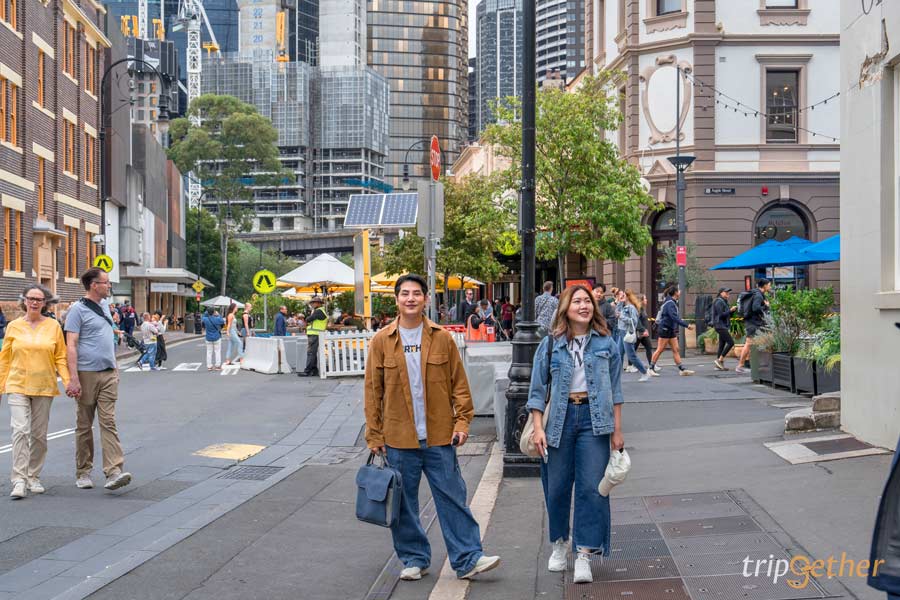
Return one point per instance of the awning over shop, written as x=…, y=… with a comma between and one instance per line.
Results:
x=164, y=275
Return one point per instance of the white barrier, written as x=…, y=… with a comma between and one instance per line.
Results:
x=265, y=355
x=343, y=353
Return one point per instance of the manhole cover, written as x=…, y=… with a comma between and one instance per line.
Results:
x=688, y=499
x=698, y=511
x=635, y=568
x=726, y=563
x=638, y=531
x=628, y=549
x=651, y=589
x=721, y=544
x=250, y=473
x=848, y=444
x=733, y=587
x=709, y=527
x=624, y=517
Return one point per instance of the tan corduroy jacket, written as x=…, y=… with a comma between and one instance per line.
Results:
x=389, y=408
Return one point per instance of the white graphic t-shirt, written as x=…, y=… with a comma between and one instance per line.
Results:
x=576, y=350
x=411, y=339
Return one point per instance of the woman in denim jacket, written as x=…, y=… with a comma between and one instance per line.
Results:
x=585, y=421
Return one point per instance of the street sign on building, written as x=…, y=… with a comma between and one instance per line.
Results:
x=681, y=256
x=435, y=158
x=104, y=262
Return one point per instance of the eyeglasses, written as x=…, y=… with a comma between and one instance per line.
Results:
x=33, y=299
x=102, y=282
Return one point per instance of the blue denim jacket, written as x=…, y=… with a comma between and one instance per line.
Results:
x=603, y=370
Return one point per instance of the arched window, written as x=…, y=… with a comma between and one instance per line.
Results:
x=779, y=222
x=665, y=221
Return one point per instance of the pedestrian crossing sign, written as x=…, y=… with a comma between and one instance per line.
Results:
x=104, y=262
x=198, y=286
x=264, y=281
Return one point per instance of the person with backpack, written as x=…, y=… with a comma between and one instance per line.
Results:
x=753, y=306
x=629, y=329
x=667, y=322
x=720, y=320
x=213, y=324
x=129, y=318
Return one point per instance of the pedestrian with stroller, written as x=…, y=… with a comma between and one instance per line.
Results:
x=584, y=425
x=33, y=354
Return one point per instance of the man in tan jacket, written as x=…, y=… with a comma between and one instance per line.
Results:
x=418, y=409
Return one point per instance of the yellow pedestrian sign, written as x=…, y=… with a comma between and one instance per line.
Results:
x=264, y=281
x=198, y=286
x=104, y=262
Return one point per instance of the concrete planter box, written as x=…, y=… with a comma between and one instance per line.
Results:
x=827, y=382
x=783, y=370
x=804, y=376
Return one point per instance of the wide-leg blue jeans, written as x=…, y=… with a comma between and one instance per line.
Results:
x=579, y=462
x=629, y=351
x=462, y=535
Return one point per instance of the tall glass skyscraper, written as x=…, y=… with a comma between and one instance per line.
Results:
x=499, y=55
x=560, y=38
x=421, y=46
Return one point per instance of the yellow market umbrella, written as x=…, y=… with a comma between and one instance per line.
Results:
x=455, y=281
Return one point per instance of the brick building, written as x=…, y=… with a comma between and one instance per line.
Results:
x=51, y=61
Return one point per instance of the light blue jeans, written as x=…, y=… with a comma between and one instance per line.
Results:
x=462, y=535
x=233, y=343
x=628, y=350
x=581, y=461
x=149, y=356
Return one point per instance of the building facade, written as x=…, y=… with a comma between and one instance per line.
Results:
x=560, y=38
x=51, y=62
x=870, y=224
x=422, y=49
x=759, y=111
x=498, y=30
x=473, y=100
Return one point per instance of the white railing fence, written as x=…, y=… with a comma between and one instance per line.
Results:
x=343, y=353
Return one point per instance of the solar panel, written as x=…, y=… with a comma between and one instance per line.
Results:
x=400, y=210
x=364, y=210
x=382, y=210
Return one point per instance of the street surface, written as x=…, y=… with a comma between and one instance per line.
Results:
x=281, y=523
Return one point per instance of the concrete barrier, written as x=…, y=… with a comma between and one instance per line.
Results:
x=265, y=355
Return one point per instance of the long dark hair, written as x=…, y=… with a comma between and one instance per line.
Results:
x=560, y=325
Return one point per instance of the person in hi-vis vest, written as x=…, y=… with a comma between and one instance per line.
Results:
x=316, y=324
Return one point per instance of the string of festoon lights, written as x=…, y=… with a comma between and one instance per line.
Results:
x=736, y=106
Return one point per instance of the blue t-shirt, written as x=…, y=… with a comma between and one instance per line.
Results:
x=96, y=342
x=213, y=325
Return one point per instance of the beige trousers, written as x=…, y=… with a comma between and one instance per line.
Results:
x=99, y=390
x=28, y=419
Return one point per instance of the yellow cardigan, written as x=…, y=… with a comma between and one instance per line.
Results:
x=31, y=358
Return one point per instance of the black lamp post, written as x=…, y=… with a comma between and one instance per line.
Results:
x=526, y=340
x=406, y=180
x=681, y=164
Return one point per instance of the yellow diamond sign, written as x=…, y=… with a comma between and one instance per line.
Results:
x=198, y=286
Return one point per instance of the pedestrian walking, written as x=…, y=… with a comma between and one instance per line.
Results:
x=644, y=330
x=721, y=316
x=316, y=325
x=162, y=325
x=149, y=331
x=545, y=307
x=466, y=307
x=425, y=438
x=33, y=354
x=584, y=424
x=507, y=315
x=2, y=327
x=753, y=309
x=607, y=308
x=629, y=324
x=117, y=325
x=668, y=323
x=248, y=322
x=129, y=318
x=94, y=382
x=280, y=322
x=213, y=324
x=234, y=350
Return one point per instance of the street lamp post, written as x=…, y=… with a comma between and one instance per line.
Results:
x=162, y=122
x=526, y=340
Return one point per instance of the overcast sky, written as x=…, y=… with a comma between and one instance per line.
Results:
x=473, y=4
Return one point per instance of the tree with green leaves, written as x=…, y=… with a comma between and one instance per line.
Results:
x=475, y=213
x=231, y=149
x=588, y=199
x=247, y=260
x=696, y=276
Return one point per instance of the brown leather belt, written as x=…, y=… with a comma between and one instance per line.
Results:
x=578, y=398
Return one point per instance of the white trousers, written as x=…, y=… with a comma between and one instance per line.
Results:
x=29, y=416
x=214, y=348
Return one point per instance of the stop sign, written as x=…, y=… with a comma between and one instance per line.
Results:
x=435, y=158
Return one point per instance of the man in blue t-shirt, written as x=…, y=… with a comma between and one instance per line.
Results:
x=213, y=324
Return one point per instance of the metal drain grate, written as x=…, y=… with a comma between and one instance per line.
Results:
x=638, y=531
x=698, y=511
x=627, y=549
x=734, y=587
x=727, y=563
x=848, y=444
x=647, y=589
x=688, y=499
x=715, y=526
x=248, y=473
x=720, y=544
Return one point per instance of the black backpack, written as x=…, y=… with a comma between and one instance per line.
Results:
x=745, y=301
x=708, y=315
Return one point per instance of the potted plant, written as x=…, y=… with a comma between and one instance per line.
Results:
x=794, y=314
x=824, y=352
x=739, y=335
x=804, y=369
x=709, y=341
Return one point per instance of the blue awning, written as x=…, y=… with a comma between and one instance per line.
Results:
x=828, y=250
x=772, y=254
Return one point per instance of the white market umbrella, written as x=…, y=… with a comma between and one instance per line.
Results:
x=222, y=301
x=324, y=270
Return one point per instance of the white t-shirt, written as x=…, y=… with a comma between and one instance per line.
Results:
x=576, y=350
x=412, y=350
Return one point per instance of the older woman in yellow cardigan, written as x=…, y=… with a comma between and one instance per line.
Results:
x=34, y=352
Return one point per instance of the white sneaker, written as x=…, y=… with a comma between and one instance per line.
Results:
x=645, y=377
x=558, y=559
x=485, y=563
x=631, y=369
x=653, y=373
x=412, y=573
x=18, y=492
x=84, y=483
x=583, y=569
x=685, y=372
x=117, y=481
x=35, y=486
x=740, y=369
x=719, y=365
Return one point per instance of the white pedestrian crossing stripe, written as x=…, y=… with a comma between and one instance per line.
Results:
x=188, y=367
x=230, y=369
x=137, y=369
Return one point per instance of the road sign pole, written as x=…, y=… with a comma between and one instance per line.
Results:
x=432, y=262
x=266, y=312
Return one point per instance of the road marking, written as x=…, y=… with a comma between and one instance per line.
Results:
x=51, y=436
x=230, y=451
x=448, y=587
x=137, y=369
x=188, y=367
x=230, y=370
